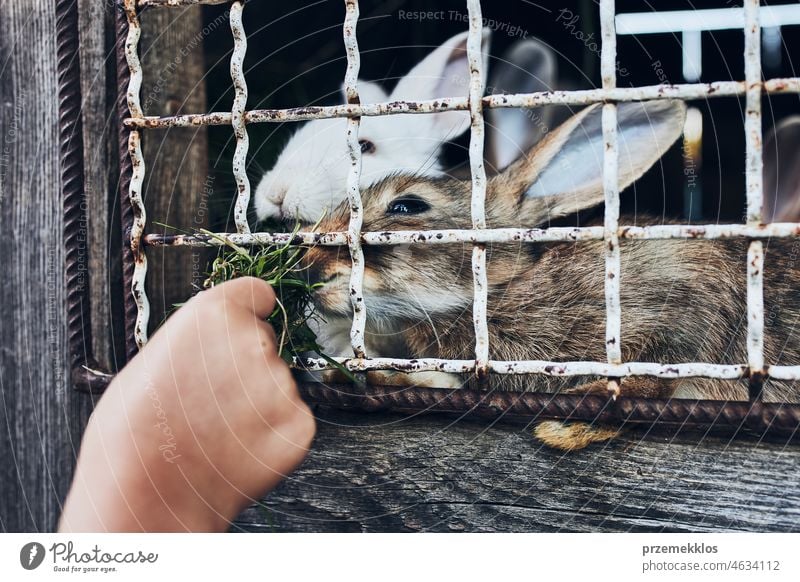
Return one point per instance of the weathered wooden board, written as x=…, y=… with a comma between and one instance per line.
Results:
x=436, y=473
x=40, y=416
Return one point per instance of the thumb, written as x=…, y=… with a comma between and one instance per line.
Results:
x=249, y=292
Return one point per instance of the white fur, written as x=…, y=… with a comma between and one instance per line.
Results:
x=310, y=174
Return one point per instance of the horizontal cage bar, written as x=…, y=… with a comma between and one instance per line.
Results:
x=176, y=3
x=547, y=368
x=584, y=97
x=489, y=235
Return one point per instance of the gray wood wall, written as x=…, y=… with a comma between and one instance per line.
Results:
x=366, y=472
x=41, y=417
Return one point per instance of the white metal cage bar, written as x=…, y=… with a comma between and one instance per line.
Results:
x=547, y=368
x=753, y=187
x=493, y=235
x=353, y=180
x=684, y=91
x=612, y=232
x=175, y=3
x=608, y=73
x=237, y=118
x=478, y=173
x=137, y=177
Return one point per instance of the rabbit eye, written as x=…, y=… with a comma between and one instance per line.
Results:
x=367, y=147
x=408, y=205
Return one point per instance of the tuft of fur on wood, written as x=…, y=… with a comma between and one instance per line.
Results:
x=572, y=436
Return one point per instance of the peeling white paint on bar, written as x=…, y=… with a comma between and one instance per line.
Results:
x=543, y=367
x=237, y=119
x=132, y=58
x=579, y=368
x=753, y=180
x=478, y=203
x=752, y=121
x=353, y=179
x=137, y=177
x=489, y=235
x=583, y=97
x=608, y=73
x=711, y=231
x=174, y=3
x=755, y=306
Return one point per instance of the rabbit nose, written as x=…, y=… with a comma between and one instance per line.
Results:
x=277, y=194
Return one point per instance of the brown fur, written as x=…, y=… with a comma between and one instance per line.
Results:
x=682, y=300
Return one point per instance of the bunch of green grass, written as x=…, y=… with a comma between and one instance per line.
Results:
x=280, y=266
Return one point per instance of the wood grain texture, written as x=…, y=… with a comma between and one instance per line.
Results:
x=40, y=416
x=379, y=473
x=176, y=160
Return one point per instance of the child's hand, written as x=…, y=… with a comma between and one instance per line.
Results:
x=205, y=419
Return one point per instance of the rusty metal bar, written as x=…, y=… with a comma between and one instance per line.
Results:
x=237, y=118
x=527, y=100
x=753, y=180
x=758, y=417
x=176, y=3
x=125, y=172
x=85, y=372
x=478, y=203
x=137, y=176
x=608, y=60
x=546, y=368
x=489, y=235
x=353, y=180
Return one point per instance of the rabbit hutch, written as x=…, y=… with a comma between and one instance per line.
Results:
x=173, y=119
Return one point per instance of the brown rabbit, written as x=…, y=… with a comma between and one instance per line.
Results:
x=682, y=300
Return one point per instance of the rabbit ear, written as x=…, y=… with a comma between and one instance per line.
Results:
x=369, y=92
x=529, y=66
x=782, y=172
x=443, y=73
x=564, y=172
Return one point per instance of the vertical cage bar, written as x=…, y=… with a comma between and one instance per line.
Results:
x=608, y=72
x=237, y=119
x=137, y=177
x=754, y=188
x=478, y=206
x=353, y=180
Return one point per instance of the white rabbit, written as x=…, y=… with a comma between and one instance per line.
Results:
x=309, y=176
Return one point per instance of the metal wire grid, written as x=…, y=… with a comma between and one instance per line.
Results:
x=479, y=235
